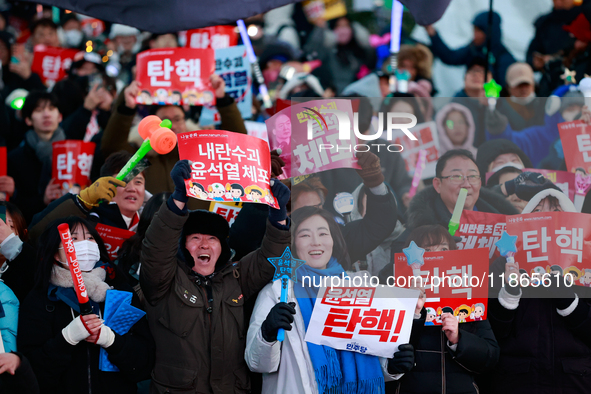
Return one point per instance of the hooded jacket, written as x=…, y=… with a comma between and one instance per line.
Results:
x=198, y=322
x=445, y=143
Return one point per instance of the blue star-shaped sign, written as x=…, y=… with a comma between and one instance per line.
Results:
x=286, y=265
x=414, y=254
x=506, y=244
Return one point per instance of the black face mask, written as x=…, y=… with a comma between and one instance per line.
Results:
x=82, y=82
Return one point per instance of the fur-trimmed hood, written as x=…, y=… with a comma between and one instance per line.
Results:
x=428, y=208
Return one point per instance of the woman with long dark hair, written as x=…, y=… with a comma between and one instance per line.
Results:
x=63, y=346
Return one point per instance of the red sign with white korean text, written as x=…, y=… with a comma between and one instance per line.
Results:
x=229, y=210
x=176, y=76
x=576, y=143
x=545, y=239
x=455, y=279
x=427, y=139
x=227, y=166
x=214, y=37
x=51, y=63
x=72, y=162
x=367, y=320
x=113, y=238
x=481, y=230
x=563, y=179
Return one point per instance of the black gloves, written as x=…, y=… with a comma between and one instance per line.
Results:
x=180, y=172
x=282, y=193
x=403, y=360
x=280, y=316
x=528, y=184
x=371, y=170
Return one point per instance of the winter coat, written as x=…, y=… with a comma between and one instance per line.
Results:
x=501, y=57
x=534, y=141
x=541, y=351
x=286, y=366
x=523, y=116
x=20, y=268
x=438, y=368
x=477, y=110
x=198, y=323
x=63, y=368
x=8, y=317
x=158, y=179
x=445, y=143
x=14, y=81
x=22, y=382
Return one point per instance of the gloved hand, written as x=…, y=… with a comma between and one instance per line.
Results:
x=277, y=163
x=103, y=189
x=280, y=316
x=180, y=172
x=282, y=193
x=528, y=184
x=106, y=337
x=403, y=360
x=371, y=170
x=560, y=290
x=78, y=330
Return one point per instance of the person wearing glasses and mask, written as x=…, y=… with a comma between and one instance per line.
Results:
x=455, y=170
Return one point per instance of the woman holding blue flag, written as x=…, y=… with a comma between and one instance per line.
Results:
x=63, y=346
x=296, y=366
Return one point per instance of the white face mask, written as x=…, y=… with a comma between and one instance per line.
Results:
x=72, y=38
x=87, y=253
x=524, y=100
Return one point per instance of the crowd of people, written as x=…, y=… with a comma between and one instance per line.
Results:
x=212, y=311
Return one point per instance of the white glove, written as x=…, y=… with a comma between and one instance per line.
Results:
x=75, y=332
x=106, y=337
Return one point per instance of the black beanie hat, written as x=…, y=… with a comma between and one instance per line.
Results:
x=490, y=150
x=210, y=223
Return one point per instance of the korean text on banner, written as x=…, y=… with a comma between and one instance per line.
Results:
x=233, y=66
x=72, y=162
x=563, y=179
x=227, y=166
x=175, y=76
x=229, y=210
x=546, y=239
x=481, y=230
x=368, y=320
x=427, y=139
x=214, y=37
x=113, y=238
x=51, y=63
x=454, y=279
x=576, y=140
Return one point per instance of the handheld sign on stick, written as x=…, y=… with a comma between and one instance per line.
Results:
x=157, y=135
x=79, y=287
x=285, y=269
x=454, y=223
x=414, y=258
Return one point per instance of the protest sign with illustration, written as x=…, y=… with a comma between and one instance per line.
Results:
x=563, y=179
x=229, y=210
x=576, y=141
x=427, y=139
x=175, y=76
x=549, y=239
x=455, y=281
x=227, y=166
x=113, y=238
x=233, y=66
x=51, y=63
x=71, y=164
x=481, y=230
x=288, y=130
x=214, y=37
x=368, y=320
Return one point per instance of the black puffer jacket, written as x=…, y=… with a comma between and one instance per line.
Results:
x=438, y=369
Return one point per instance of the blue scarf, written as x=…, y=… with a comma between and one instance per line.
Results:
x=337, y=371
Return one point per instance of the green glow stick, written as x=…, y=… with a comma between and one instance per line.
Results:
x=454, y=223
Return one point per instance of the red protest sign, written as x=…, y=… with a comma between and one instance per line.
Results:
x=546, y=239
x=51, y=63
x=456, y=279
x=576, y=141
x=428, y=140
x=175, y=76
x=481, y=230
x=214, y=37
x=113, y=238
x=72, y=162
x=3, y=161
x=229, y=210
x=227, y=166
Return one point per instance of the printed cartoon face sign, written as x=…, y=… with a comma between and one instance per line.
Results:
x=71, y=164
x=367, y=320
x=227, y=166
x=455, y=281
x=51, y=63
x=175, y=76
x=552, y=241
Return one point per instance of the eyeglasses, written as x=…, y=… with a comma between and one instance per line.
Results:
x=459, y=179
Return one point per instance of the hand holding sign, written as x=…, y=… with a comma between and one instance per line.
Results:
x=449, y=325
